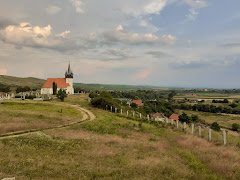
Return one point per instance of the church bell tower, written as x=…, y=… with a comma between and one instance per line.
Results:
x=69, y=79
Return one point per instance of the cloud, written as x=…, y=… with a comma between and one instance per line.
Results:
x=195, y=5
x=52, y=9
x=144, y=7
x=158, y=54
x=78, y=4
x=143, y=74
x=120, y=35
x=25, y=34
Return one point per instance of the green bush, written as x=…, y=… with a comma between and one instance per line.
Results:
x=215, y=126
x=236, y=127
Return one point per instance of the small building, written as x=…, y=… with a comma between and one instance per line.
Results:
x=174, y=117
x=157, y=117
x=55, y=84
x=138, y=102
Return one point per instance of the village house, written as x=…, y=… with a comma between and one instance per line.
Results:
x=174, y=117
x=157, y=117
x=138, y=102
x=59, y=83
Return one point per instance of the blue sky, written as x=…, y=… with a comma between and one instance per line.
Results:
x=179, y=43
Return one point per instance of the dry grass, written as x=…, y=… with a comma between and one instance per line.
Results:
x=113, y=147
x=18, y=116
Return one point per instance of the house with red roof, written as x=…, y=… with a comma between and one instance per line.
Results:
x=138, y=102
x=174, y=117
x=55, y=84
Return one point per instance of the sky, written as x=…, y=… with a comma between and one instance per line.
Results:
x=168, y=43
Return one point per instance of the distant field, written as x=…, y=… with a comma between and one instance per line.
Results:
x=18, y=116
x=223, y=120
x=116, y=87
x=114, y=147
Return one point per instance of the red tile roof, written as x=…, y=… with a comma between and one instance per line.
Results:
x=138, y=102
x=174, y=117
x=61, y=83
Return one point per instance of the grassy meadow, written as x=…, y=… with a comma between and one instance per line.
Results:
x=25, y=115
x=114, y=147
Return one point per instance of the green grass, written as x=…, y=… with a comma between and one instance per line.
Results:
x=19, y=116
x=114, y=147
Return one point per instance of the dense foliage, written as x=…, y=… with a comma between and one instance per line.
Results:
x=215, y=126
x=61, y=94
x=4, y=88
x=208, y=108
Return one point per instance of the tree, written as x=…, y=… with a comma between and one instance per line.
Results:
x=236, y=127
x=54, y=86
x=61, y=94
x=215, y=126
x=184, y=118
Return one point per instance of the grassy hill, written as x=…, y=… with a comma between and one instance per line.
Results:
x=113, y=147
x=17, y=81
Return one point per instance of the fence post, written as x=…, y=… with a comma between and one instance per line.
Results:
x=140, y=115
x=127, y=113
x=121, y=111
x=111, y=108
x=210, y=134
x=184, y=126
x=116, y=110
x=192, y=129
x=177, y=123
x=133, y=113
x=148, y=117
x=199, y=131
x=224, y=137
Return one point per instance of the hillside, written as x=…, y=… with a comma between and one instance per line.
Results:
x=110, y=147
x=17, y=81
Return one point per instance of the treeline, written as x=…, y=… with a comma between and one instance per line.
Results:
x=208, y=108
x=5, y=88
x=142, y=94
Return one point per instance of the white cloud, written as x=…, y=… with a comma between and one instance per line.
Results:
x=52, y=9
x=78, y=4
x=63, y=34
x=25, y=34
x=143, y=7
x=143, y=74
x=126, y=37
x=154, y=7
x=194, y=6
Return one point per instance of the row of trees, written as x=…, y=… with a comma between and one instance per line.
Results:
x=208, y=108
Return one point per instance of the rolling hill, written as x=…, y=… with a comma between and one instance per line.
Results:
x=17, y=81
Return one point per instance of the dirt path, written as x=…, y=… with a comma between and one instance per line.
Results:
x=87, y=116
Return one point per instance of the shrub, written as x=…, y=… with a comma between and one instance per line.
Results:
x=236, y=127
x=61, y=94
x=215, y=126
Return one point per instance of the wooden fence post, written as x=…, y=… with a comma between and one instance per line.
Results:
x=140, y=115
x=127, y=113
x=121, y=111
x=116, y=110
x=192, y=129
x=210, y=134
x=224, y=137
x=133, y=113
x=148, y=117
x=184, y=126
x=111, y=108
x=177, y=123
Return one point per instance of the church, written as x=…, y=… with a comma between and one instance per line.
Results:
x=55, y=84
